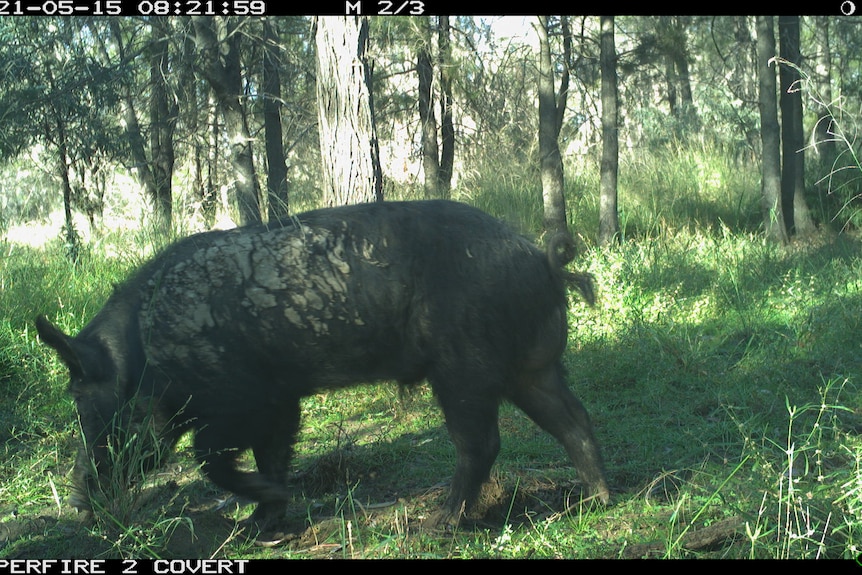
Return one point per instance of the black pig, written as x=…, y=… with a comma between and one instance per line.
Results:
x=225, y=331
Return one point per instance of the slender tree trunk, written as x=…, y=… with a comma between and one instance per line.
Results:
x=348, y=137
x=447, y=126
x=197, y=123
x=687, y=110
x=427, y=119
x=137, y=147
x=824, y=141
x=563, y=93
x=70, y=234
x=210, y=199
x=609, y=225
x=276, y=172
x=678, y=75
x=221, y=54
x=551, y=161
x=797, y=217
x=154, y=166
x=670, y=80
x=773, y=218
x=163, y=121
x=824, y=144
x=684, y=78
x=55, y=132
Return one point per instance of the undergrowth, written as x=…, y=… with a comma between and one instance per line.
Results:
x=722, y=374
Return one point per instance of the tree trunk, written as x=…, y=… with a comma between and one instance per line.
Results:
x=674, y=45
x=688, y=110
x=221, y=68
x=348, y=137
x=447, y=126
x=54, y=124
x=276, y=168
x=609, y=224
x=196, y=120
x=70, y=234
x=210, y=198
x=136, y=145
x=773, y=219
x=824, y=141
x=163, y=121
x=551, y=161
x=797, y=218
x=427, y=120
x=670, y=80
x=153, y=167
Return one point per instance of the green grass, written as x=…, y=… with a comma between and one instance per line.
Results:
x=722, y=374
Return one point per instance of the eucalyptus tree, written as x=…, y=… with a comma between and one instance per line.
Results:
x=797, y=217
x=773, y=217
x=552, y=107
x=141, y=49
x=276, y=172
x=437, y=153
x=201, y=143
x=427, y=116
x=609, y=225
x=445, y=67
x=163, y=121
x=348, y=137
x=219, y=43
x=673, y=47
x=824, y=141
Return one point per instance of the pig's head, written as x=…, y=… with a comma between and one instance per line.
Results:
x=108, y=417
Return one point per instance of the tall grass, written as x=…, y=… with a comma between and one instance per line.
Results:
x=697, y=185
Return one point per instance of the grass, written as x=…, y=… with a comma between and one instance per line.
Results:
x=722, y=374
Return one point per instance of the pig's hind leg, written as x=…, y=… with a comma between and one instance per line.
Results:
x=470, y=404
x=543, y=395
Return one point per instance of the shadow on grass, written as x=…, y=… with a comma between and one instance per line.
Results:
x=390, y=485
x=671, y=393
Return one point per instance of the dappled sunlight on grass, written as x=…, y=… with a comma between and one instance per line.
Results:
x=722, y=375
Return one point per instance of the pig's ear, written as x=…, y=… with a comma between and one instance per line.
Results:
x=62, y=344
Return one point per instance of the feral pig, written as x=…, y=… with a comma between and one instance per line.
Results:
x=226, y=331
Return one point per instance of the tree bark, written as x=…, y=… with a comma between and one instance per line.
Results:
x=348, y=137
x=221, y=68
x=447, y=126
x=276, y=168
x=797, y=217
x=55, y=132
x=163, y=121
x=551, y=161
x=70, y=234
x=210, y=198
x=609, y=225
x=674, y=46
x=773, y=218
x=824, y=141
x=427, y=119
x=154, y=166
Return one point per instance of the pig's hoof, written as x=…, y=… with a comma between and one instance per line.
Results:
x=269, y=515
x=272, y=538
x=85, y=515
x=441, y=520
x=600, y=494
x=267, y=533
